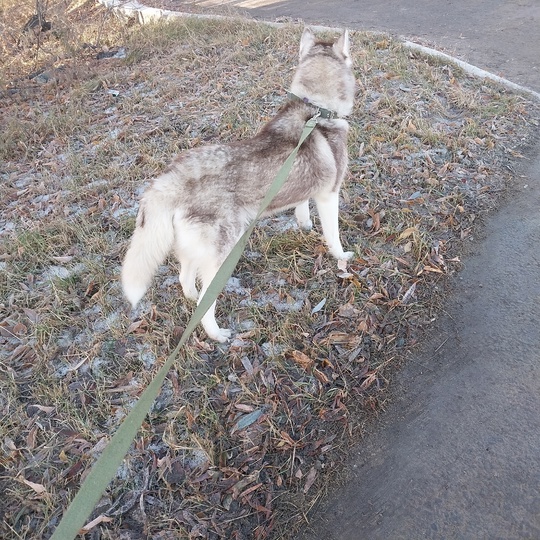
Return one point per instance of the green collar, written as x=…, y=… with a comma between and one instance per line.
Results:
x=327, y=114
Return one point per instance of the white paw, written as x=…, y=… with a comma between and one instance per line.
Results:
x=343, y=255
x=346, y=255
x=191, y=294
x=306, y=225
x=220, y=334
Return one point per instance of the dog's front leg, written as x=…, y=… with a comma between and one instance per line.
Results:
x=328, y=208
x=302, y=216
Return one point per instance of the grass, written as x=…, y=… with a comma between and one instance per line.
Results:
x=244, y=438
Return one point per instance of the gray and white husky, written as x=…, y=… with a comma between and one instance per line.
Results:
x=204, y=201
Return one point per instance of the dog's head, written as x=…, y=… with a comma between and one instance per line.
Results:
x=324, y=75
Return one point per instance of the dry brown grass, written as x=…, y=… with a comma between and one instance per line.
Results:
x=243, y=438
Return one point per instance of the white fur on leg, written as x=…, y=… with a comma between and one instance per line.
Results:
x=188, y=275
x=211, y=326
x=302, y=216
x=208, y=270
x=328, y=207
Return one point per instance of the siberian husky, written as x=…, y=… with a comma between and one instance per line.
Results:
x=204, y=201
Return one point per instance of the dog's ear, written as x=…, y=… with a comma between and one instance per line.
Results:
x=342, y=46
x=306, y=42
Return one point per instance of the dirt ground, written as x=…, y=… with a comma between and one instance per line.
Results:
x=456, y=453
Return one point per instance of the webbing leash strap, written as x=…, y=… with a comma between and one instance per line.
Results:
x=107, y=464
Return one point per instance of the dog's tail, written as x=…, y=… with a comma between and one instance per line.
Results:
x=152, y=241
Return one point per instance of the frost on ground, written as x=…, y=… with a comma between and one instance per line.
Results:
x=244, y=436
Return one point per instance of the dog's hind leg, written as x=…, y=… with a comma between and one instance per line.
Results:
x=208, y=270
x=188, y=275
x=328, y=208
x=187, y=257
x=302, y=216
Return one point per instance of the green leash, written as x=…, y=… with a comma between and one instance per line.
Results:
x=107, y=464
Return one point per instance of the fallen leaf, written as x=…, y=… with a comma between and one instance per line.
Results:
x=433, y=269
x=408, y=232
x=409, y=294
x=240, y=485
x=376, y=220
x=137, y=327
x=32, y=315
x=302, y=360
x=321, y=377
x=38, y=488
x=20, y=329
x=44, y=409
x=90, y=525
x=247, y=420
x=64, y=259
x=91, y=289
x=31, y=437
x=321, y=304
x=10, y=444
x=342, y=338
x=348, y=311
x=244, y=408
x=250, y=490
x=286, y=439
x=310, y=479
x=248, y=366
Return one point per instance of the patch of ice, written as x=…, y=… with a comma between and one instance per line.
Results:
x=71, y=337
x=97, y=183
x=293, y=303
x=234, y=286
x=7, y=227
x=119, y=212
x=92, y=311
x=273, y=349
x=123, y=472
x=148, y=358
x=168, y=282
x=197, y=458
x=108, y=323
x=252, y=255
x=164, y=398
x=56, y=272
x=280, y=223
x=247, y=324
x=61, y=371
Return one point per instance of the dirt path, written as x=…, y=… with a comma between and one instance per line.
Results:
x=457, y=455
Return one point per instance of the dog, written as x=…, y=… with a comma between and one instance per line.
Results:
x=205, y=200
